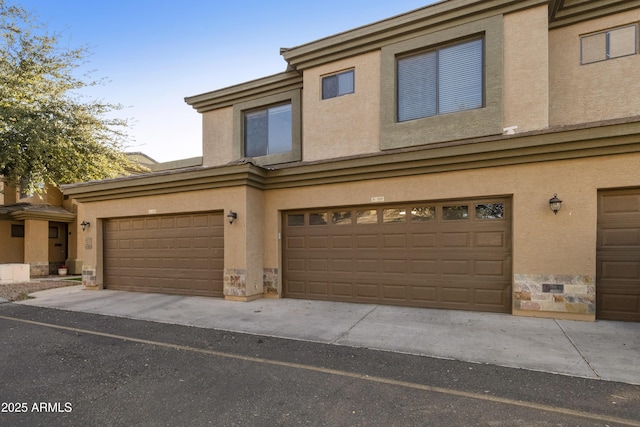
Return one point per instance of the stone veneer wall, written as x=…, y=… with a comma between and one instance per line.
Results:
x=89, y=276
x=39, y=269
x=271, y=281
x=555, y=293
x=235, y=282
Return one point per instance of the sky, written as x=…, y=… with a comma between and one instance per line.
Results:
x=152, y=54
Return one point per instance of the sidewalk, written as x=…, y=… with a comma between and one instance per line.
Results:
x=601, y=350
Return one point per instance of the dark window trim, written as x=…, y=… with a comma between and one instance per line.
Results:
x=294, y=97
x=339, y=92
x=17, y=230
x=446, y=127
x=437, y=50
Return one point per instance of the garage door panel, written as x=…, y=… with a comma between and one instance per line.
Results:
x=395, y=241
x=423, y=240
x=367, y=290
x=367, y=241
x=621, y=203
x=344, y=289
x=455, y=267
x=342, y=242
x=490, y=239
x=366, y=266
x=424, y=267
x=295, y=242
x=395, y=292
x=180, y=254
x=415, y=260
x=394, y=266
x=424, y=294
x=455, y=240
x=620, y=270
x=455, y=294
x=318, y=242
x=490, y=268
x=341, y=265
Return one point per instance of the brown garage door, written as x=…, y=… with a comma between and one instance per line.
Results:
x=454, y=255
x=176, y=254
x=618, y=256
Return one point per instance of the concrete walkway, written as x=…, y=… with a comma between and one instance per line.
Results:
x=601, y=350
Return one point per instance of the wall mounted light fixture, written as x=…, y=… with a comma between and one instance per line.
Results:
x=555, y=203
x=232, y=216
x=84, y=225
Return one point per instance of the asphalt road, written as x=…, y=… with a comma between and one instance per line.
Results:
x=67, y=368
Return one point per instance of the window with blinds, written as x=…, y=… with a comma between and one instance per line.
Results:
x=614, y=43
x=441, y=81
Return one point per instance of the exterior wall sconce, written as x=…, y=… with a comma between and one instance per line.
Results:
x=555, y=204
x=84, y=225
x=232, y=216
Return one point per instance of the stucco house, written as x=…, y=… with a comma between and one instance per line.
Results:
x=38, y=230
x=414, y=161
x=34, y=229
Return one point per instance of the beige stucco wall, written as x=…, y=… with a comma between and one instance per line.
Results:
x=36, y=246
x=345, y=125
x=591, y=92
x=217, y=137
x=12, y=248
x=526, y=69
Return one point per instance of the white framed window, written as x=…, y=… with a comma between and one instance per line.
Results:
x=610, y=44
x=338, y=84
x=440, y=81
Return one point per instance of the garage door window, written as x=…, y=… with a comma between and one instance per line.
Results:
x=423, y=213
x=490, y=211
x=394, y=215
x=369, y=216
x=341, y=218
x=318, y=219
x=455, y=212
x=296, y=220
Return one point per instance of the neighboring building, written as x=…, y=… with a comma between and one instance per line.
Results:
x=34, y=229
x=38, y=229
x=408, y=162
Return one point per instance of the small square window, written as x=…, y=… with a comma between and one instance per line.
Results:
x=17, y=230
x=338, y=84
x=53, y=232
